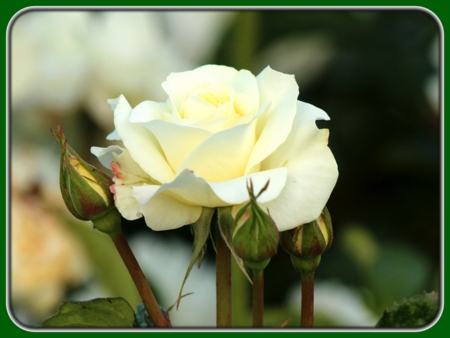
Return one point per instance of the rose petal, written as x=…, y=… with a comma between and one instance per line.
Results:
x=166, y=213
x=126, y=170
x=222, y=72
x=224, y=155
x=274, y=125
x=191, y=189
x=141, y=143
x=235, y=191
x=216, y=125
x=196, y=109
x=302, y=137
x=105, y=155
x=187, y=188
x=148, y=111
x=244, y=83
x=276, y=87
x=244, y=106
x=177, y=141
x=179, y=85
x=162, y=213
x=144, y=193
x=312, y=172
x=127, y=205
x=114, y=136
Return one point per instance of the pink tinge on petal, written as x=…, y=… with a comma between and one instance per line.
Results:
x=112, y=188
x=116, y=169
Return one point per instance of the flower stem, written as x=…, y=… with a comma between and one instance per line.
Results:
x=258, y=298
x=223, y=282
x=307, y=315
x=144, y=289
x=246, y=40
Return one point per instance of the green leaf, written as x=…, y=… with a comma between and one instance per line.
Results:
x=201, y=230
x=226, y=225
x=415, y=311
x=101, y=312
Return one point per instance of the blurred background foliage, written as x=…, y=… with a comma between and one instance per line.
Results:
x=375, y=72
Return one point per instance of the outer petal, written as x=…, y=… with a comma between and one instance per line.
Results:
x=148, y=111
x=127, y=205
x=302, y=137
x=191, y=189
x=113, y=136
x=274, y=125
x=105, y=155
x=235, y=191
x=312, y=172
x=140, y=142
x=166, y=213
x=187, y=188
x=126, y=170
x=162, y=212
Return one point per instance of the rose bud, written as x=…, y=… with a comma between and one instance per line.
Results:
x=308, y=242
x=255, y=235
x=85, y=190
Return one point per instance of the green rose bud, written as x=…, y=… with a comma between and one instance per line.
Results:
x=255, y=236
x=308, y=242
x=85, y=189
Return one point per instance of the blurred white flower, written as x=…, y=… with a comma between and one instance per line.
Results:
x=164, y=263
x=130, y=53
x=197, y=34
x=338, y=303
x=305, y=56
x=43, y=160
x=62, y=61
x=49, y=63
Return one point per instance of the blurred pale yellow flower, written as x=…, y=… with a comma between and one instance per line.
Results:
x=46, y=258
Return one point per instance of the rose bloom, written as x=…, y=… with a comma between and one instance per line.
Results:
x=219, y=128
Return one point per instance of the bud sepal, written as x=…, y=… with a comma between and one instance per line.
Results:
x=308, y=242
x=255, y=236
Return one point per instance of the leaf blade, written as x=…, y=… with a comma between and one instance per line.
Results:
x=100, y=312
x=201, y=230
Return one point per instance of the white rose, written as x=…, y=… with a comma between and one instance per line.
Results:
x=219, y=128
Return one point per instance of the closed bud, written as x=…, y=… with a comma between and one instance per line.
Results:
x=255, y=236
x=85, y=189
x=308, y=242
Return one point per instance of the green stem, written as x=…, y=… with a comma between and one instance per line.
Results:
x=223, y=282
x=307, y=316
x=258, y=298
x=144, y=289
x=245, y=40
x=241, y=314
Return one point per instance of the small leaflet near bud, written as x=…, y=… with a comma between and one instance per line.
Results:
x=201, y=229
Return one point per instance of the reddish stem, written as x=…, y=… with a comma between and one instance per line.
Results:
x=145, y=291
x=307, y=316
